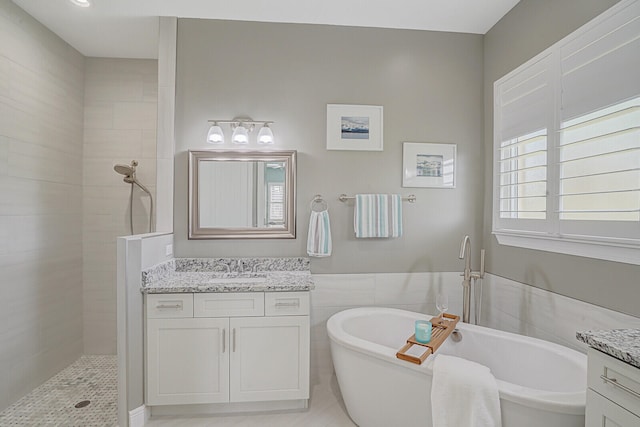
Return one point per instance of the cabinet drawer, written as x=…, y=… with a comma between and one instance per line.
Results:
x=229, y=305
x=615, y=380
x=286, y=303
x=603, y=412
x=163, y=306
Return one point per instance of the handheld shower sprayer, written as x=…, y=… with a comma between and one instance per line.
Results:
x=129, y=172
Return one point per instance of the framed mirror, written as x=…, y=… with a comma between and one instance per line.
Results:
x=242, y=194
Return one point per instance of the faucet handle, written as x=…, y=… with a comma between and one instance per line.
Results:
x=479, y=274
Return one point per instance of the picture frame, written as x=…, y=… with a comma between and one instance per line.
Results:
x=429, y=165
x=354, y=127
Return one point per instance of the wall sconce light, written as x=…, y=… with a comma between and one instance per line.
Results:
x=240, y=135
x=241, y=127
x=265, y=135
x=215, y=134
x=81, y=3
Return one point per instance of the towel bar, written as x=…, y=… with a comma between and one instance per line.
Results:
x=411, y=198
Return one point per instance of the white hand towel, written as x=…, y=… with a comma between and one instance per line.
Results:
x=378, y=215
x=319, y=236
x=463, y=394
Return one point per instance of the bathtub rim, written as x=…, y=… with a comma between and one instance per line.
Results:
x=570, y=403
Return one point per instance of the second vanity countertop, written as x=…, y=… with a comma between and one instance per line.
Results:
x=190, y=275
x=623, y=344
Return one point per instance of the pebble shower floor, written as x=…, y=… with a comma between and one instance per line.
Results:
x=92, y=378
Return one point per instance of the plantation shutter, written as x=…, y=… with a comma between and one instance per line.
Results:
x=524, y=106
x=599, y=146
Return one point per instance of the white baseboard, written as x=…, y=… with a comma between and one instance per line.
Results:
x=138, y=417
x=229, y=408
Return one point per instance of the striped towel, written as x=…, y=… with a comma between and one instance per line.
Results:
x=319, y=237
x=378, y=215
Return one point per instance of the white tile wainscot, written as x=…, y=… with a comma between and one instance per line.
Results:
x=408, y=291
x=515, y=307
x=506, y=305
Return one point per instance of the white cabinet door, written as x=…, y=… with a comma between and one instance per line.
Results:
x=269, y=358
x=187, y=361
x=601, y=412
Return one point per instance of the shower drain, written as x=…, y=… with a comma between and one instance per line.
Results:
x=83, y=404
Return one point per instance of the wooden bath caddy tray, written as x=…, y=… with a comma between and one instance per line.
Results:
x=439, y=333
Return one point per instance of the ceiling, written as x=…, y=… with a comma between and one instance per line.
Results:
x=129, y=28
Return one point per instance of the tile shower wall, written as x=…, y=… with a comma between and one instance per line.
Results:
x=119, y=126
x=41, y=103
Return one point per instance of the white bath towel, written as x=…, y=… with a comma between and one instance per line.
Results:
x=378, y=215
x=319, y=236
x=463, y=394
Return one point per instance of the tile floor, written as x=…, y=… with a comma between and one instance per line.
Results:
x=94, y=378
x=53, y=403
x=326, y=409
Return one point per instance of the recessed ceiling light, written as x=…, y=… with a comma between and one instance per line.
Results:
x=81, y=3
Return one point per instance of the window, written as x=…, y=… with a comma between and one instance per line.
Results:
x=567, y=143
x=523, y=176
x=600, y=165
x=276, y=204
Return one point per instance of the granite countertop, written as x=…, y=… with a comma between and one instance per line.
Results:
x=623, y=344
x=183, y=275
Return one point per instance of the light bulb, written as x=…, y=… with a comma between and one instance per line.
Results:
x=81, y=3
x=265, y=136
x=240, y=135
x=215, y=134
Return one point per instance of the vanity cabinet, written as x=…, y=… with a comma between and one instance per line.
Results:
x=225, y=347
x=187, y=361
x=613, y=396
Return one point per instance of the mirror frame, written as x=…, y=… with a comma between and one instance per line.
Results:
x=198, y=232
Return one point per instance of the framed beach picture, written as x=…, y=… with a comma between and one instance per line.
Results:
x=428, y=165
x=354, y=127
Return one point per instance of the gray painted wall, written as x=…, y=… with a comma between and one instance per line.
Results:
x=430, y=85
x=529, y=28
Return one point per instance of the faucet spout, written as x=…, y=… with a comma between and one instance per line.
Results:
x=465, y=253
x=466, y=241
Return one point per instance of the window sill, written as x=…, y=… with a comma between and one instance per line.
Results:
x=608, y=251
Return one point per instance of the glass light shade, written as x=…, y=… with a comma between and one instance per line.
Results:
x=215, y=135
x=265, y=136
x=240, y=135
x=81, y=3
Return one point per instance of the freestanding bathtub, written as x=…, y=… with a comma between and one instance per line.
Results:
x=540, y=384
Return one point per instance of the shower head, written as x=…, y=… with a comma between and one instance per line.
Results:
x=129, y=171
x=124, y=169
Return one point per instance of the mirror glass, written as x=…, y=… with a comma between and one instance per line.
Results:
x=242, y=194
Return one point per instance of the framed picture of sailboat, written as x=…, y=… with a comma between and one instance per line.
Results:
x=428, y=165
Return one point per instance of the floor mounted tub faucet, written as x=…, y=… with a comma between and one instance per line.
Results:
x=465, y=253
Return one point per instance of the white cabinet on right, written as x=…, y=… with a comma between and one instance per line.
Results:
x=613, y=397
x=269, y=358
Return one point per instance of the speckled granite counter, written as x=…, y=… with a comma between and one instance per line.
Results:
x=623, y=344
x=183, y=275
